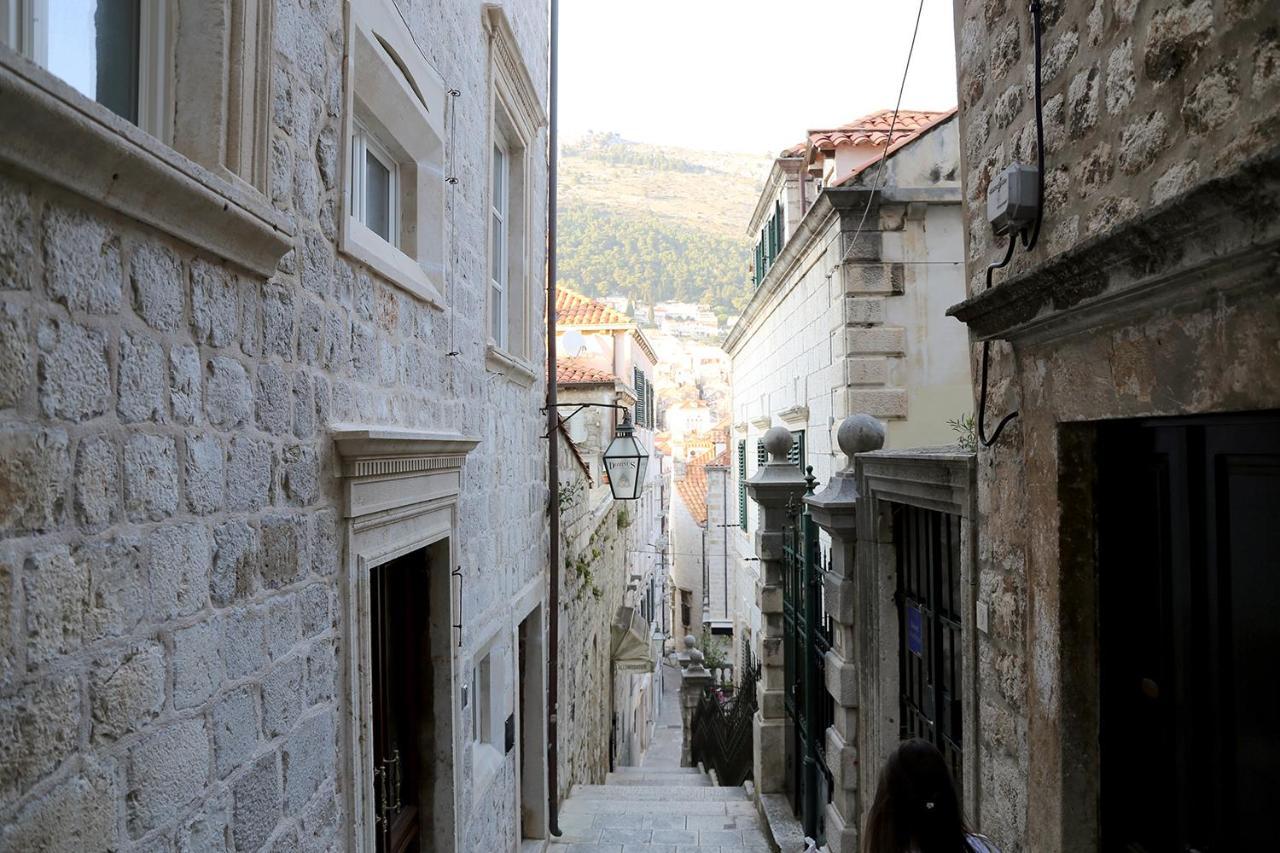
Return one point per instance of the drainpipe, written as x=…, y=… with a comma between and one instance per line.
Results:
x=553, y=445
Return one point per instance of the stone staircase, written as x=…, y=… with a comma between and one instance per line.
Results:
x=667, y=809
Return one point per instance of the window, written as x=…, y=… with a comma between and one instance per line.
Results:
x=491, y=690
x=516, y=116
x=375, y=192
x=394, y=221
x=769, y=245
x=484, y=701
x=116, y=52
x=686, y=607
x=742, y=484
x=499, y=244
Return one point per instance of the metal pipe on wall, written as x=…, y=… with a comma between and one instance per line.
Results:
x=553, y=446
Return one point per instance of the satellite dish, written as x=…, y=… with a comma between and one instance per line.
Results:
x=573, y=343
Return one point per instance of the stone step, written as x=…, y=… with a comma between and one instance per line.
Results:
x=650, y=779
x=658, y=793
x=672, y=771
x=630, y=833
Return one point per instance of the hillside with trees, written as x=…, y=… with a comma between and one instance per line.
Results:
x=654, y=223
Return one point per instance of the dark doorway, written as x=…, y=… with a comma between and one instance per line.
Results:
x=1189, y=593
x=402, y=679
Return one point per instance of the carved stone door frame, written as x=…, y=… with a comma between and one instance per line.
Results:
x=399, y=495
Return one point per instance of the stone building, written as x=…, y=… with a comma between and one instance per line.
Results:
x=270, y=313
x=613, y=586
x=1126, y=532
x=848, y=313
x=702, y=574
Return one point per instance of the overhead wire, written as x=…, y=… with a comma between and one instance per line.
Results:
x=893, y=124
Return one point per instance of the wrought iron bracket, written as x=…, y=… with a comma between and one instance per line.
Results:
x=578, y=407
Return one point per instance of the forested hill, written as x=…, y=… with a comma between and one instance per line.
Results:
x=654, y=223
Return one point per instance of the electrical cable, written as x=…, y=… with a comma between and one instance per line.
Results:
x=1028, y=240
x=893, y=123
x=1036, y=29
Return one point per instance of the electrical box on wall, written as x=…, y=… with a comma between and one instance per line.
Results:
x=1012, y=199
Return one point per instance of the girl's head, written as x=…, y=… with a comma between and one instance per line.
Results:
x=916, y=808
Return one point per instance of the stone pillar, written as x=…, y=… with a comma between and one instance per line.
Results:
x=777, y=484
x=834, y=509
x=692, y=680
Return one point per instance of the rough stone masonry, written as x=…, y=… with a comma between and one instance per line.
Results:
x=170, y=621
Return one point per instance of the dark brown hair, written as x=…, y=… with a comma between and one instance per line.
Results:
x=916, y=807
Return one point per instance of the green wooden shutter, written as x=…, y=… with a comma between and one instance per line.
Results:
x=638, y=382
x=796, y=454
x=742, y=484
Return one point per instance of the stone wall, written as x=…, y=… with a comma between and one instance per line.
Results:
x=1146, y=105
x=169, y=561
x=593, y=581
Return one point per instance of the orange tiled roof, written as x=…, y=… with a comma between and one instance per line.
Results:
x=574, y=309
x=873, y=129
x=693, y=487
x=579, y=371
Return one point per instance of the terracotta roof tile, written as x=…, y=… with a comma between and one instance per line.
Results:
x=574, y=309
x=579, y=371
x=899, y=141
x=693, y=486
x=873, y=129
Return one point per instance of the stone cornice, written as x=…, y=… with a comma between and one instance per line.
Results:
x=373, y=451
x=508, y=60
x=1220, y=235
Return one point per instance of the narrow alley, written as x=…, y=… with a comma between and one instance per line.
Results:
x=660, y=806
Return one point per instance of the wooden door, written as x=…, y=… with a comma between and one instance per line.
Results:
x=1189, y=586
x=400, y=655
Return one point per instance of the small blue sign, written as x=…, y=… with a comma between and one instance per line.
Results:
x=915, y=631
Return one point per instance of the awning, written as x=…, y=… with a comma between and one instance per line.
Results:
x=632, y=646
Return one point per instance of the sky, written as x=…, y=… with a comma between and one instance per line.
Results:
x=745, y=75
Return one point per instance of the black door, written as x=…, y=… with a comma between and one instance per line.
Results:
x=1189, y=563
x=930, y=653
x=398, y=596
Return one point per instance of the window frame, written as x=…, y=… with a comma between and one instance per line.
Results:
x=184, y=186
x=516, y=117
x=364, y=143
x=400, y=100
x=500, y=225
x=24, y=29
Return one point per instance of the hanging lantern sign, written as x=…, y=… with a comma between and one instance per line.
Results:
x=626, y=460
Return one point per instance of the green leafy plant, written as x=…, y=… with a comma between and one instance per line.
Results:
x=568, y=494
x=714, y=652
x=964, y=428
x=624, y=519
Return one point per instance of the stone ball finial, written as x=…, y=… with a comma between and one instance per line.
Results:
x=859, y=434
x=778, y=441
x=696, y=658
x=690, y=641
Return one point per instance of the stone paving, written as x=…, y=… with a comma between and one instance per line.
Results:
x=660, y=807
